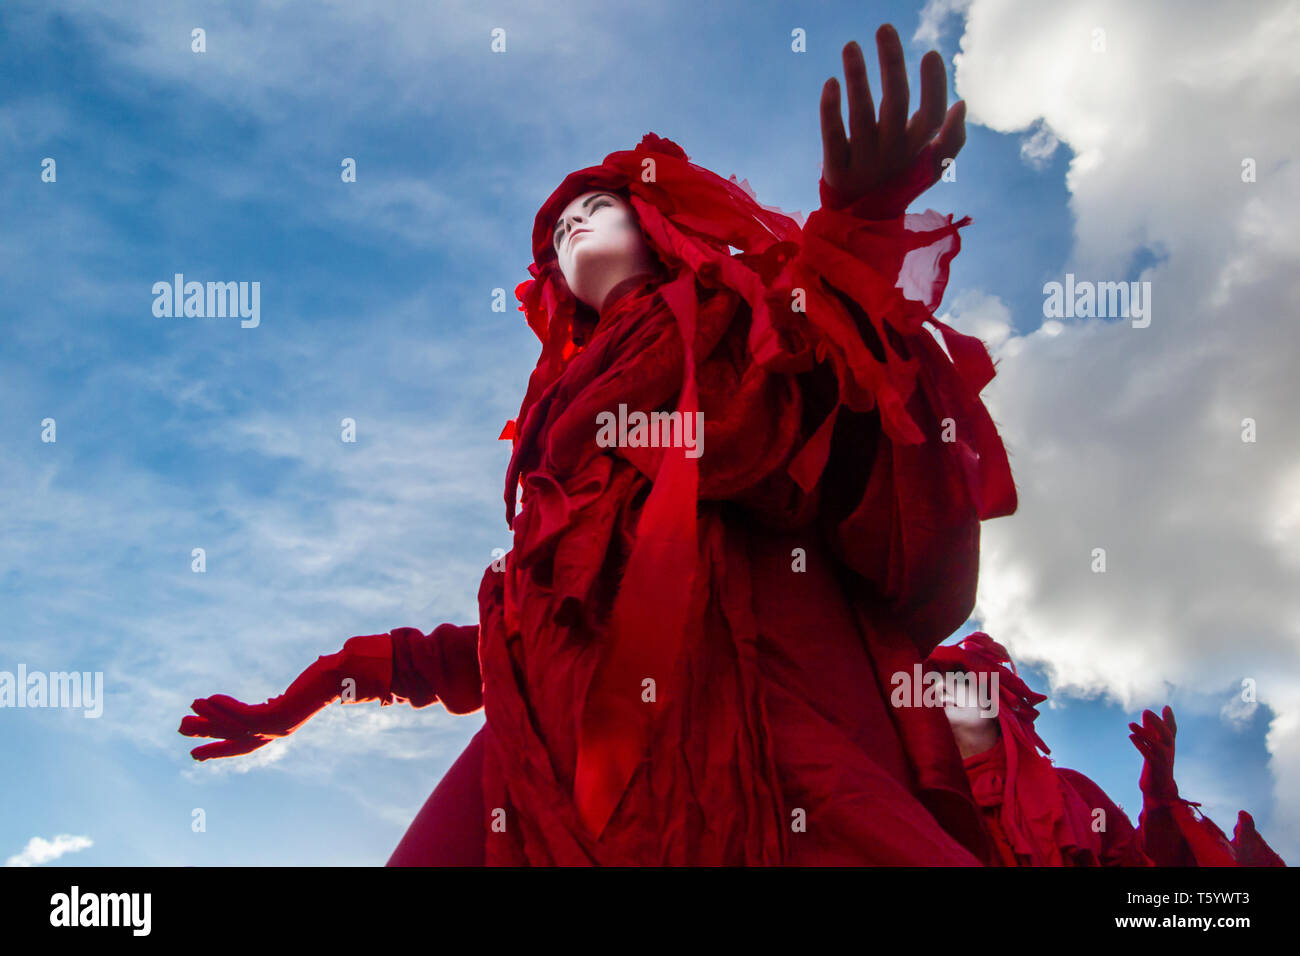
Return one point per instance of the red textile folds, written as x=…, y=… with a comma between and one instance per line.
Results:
x=684, y=657
x=442, y=666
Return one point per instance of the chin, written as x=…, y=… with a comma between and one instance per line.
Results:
x=962, y=718
x=592, y=271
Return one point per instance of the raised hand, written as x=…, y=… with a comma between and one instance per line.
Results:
x=243, y=728
x=1155, y=739
x=890, y=156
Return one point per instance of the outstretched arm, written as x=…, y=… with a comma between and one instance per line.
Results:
x=872, y=278
x=1171, y=834
x=404, y=663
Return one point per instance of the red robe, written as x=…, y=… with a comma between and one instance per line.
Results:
x=686, y=661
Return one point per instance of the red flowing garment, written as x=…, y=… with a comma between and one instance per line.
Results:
x=686, y=660
x=1037, y=814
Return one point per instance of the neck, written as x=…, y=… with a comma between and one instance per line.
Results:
x=977, y=740
x=969, y=750
x=624, y=287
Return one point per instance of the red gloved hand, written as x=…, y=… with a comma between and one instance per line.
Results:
x=888, y=200
x=366, y=661
x=890, y=159
x=1155, y=739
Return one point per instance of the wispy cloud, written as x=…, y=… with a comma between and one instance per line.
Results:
x=38, y=850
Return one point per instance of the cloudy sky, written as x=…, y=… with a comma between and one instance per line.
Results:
x=1149, y=142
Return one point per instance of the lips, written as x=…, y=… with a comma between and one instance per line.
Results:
x=577, y=232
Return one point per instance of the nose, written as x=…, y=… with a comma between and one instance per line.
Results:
x=572, y=220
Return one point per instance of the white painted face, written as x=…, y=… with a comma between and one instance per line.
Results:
x=598, y=244
x=965, y=713
x=975, y=728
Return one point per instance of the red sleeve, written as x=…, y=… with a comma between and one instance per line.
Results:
x=911, y=458
x=1169, y=834
x=1121, y=843
x=837, y=403
x=1162, y=839
x=442, y=665
x=1177, y=834
x=1249, y=846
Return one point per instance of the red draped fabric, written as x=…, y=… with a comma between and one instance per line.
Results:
x=660, y=681
x=685, y=660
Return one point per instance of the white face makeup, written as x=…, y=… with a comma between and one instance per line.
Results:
x=975, y=729
x=598, y=244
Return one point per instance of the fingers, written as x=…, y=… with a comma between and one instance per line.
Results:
x=197, y=727
x=1169, y=720
x=214, y=722
x=1142, y=734
x=1157, y=729
x=891, y=128
x=927, y=120
x=230, y=748
x=862, y=109
x=1151, y=724
x=1142, y=744
x=221, y=715
x=835, y=147
x=952, y=135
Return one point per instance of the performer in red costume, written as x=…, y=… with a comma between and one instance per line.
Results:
x=1041, y=815
x=685, y=656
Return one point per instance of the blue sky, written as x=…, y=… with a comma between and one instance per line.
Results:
x=177, y=433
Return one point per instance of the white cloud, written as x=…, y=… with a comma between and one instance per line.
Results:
x=1238, y=711
x=1039, y=147
x=38, y=851
x=980, y=314
x=1130, y=439
x=934, y=17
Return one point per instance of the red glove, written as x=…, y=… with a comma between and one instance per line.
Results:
x=366, y=661
x=888, y=200
x=1155, y=739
